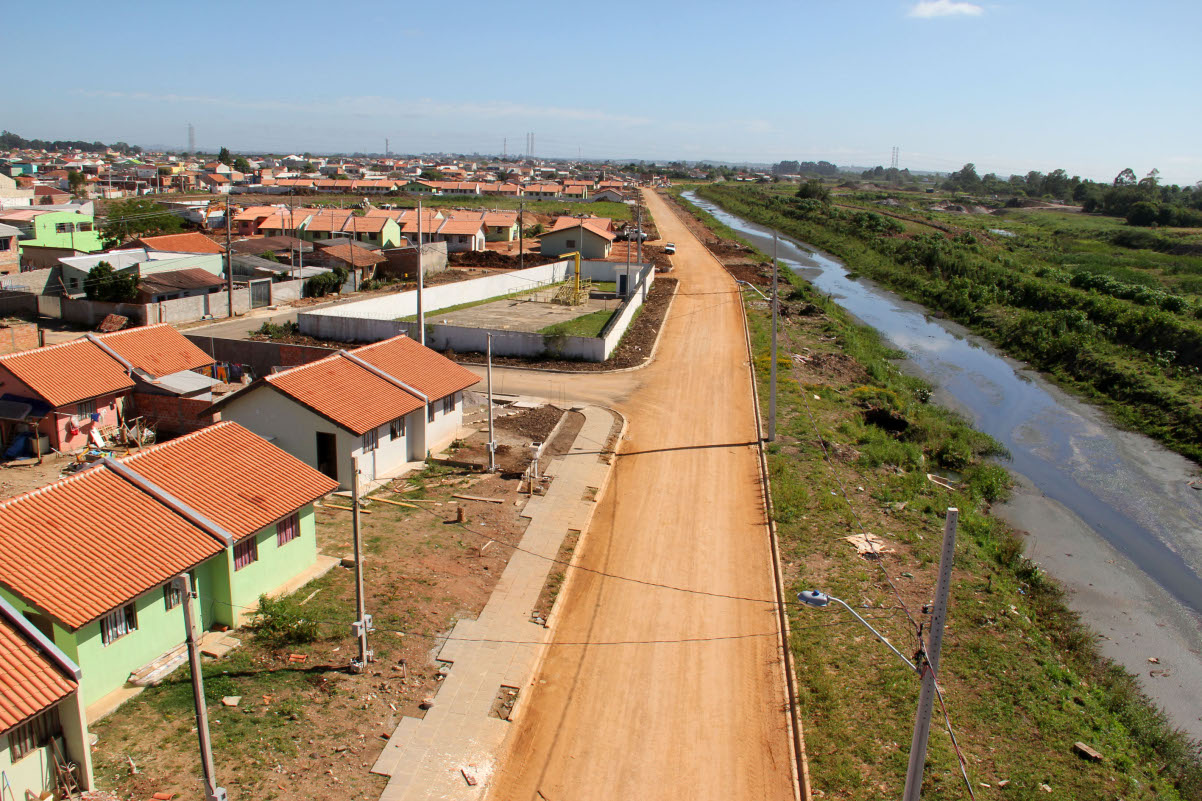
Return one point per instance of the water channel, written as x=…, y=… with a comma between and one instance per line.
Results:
x=1110, y=514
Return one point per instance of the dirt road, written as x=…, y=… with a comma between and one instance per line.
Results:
x=668, y=720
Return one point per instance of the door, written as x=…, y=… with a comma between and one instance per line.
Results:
x=260, y=294
x=622, y=280
x=327, y=454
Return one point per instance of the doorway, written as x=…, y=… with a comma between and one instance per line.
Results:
x=327, y=454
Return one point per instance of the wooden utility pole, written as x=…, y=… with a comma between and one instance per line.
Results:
x=928, y=663
x=421, y=313
x=362, y=622
x=772, y=380
x=229, y=262
x=212, y=791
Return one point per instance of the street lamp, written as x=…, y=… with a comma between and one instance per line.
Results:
x=820, y=599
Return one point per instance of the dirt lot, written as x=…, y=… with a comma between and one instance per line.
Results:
x=515, y=430
x=632, y=351
x=495, y=260
x=309, y=729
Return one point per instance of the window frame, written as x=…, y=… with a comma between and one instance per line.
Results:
x=448, y=404
x=287, y=530
x=111, y=625
x=371, y=440
x=396, y=429
x=429, y=412
x=35, y=733
x=248, y=547
x=85, y=409
x=173, y=594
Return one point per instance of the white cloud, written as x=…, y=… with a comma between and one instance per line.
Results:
x=925, y=9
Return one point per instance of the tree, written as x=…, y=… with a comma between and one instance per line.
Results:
x=307, y=167
x=107, y=285
x=965, y=179
x=814, y=189
x=1125, y=178
x=1143, y=213
x=224, y=156
x=138, y=216
x=241, y=164
x=431, y=174
x=76, y=182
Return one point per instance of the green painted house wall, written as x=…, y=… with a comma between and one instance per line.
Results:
x=275, y=566
x=78, y=232
x=34, y=771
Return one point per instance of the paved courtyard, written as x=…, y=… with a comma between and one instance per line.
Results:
x=532, y=312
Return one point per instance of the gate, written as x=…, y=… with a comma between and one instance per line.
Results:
x=260, y=293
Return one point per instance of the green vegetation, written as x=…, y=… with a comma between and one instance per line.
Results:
x=107, y=285
x=279, y=622
x=135, y=217
x=1022, y=678
x=1065, y=292
x=321, y=285
x=588, y=325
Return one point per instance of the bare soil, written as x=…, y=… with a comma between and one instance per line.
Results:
x=633, y=350
x=310, y=729
x=494, y=260
x=514, y=432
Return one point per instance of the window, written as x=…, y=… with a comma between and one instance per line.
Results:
x=448, y=404
x=429, y=412
x=246, y=552
x=371, y=441
x=85, y=409
x=35, y=734
x=397, y=428
x=571, y=243
x=6, y=243
x=84, y=227
x=172, y=594
x=63, y=228
x=287, y=529
x=117, y=623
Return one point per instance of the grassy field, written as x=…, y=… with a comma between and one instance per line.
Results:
x=588, y=325
x=1103, y=308
x=1023, y=680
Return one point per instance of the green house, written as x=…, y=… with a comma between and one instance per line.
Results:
x=63, y=229
x=222, y=505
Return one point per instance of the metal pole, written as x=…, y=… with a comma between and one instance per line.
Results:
x=772, y=381
x=229, y=266
x=521, y=235
x=212, y=791
x=421, y=313
x=362, y=619
x=640, y=230
x=928, y=664
x=492, y=443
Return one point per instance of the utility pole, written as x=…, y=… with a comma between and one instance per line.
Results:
x=639, y=232
x=928, y=663
x=362, y=622
x=421, y=313
x=492, y=443
x=229, y=262
x=212, y=791
x=521, y=234
x=772, y=380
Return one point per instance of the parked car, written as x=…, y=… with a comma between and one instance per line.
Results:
x=670, y=248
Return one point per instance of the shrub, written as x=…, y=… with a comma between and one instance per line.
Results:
x=278, y=622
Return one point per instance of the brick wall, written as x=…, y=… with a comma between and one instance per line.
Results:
x=172, y=415
x=19, y=337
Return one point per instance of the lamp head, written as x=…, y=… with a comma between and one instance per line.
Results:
x=813, y=598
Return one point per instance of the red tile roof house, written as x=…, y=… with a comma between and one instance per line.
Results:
x=388, y=404
x=39, y=703
x=223, y=505
x=462, y=235
x=69, y=390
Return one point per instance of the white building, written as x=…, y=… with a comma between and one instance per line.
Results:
x=387, y=404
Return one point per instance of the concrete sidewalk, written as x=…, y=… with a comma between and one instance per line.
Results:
x=425, y=757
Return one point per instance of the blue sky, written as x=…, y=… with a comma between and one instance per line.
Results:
x=1011, y=85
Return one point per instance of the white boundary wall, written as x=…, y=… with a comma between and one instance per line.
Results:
x=376, y=319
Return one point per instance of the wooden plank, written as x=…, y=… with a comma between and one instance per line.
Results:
x=395, y=503
x=344, y=508
x=477, y=498
x=414, y=500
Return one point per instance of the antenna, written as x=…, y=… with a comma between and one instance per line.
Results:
x=895, y=155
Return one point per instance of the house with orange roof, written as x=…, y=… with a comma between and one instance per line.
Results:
x=216, y=183
x=590, y=236
x=504, y=189
x=501, y=226
x=192, y=242
x=386, y=404
x=70, y=393
x=462, y=234
x=40, y=711
x=121, y=533
x=247, y=221
x=543, y=191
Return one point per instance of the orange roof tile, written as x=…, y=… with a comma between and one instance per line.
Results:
x=68, y=372
x=30, y=682
x=80, y=547
x=345, y=393
x=364, y=225
x=158, y=349
x=233, y=477
x=454, y=226
x=420, y=367
x=354, y=255
x=179, y=243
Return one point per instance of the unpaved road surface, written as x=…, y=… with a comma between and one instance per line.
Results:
x=666, y=720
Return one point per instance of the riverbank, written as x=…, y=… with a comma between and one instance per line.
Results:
x=1022, y=677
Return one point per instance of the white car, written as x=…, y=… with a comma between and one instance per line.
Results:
x=670, y=248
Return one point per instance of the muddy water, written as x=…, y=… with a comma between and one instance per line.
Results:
x=1109, y=513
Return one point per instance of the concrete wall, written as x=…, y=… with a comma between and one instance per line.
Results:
x=375, y=319
x=402, y=262
x=16, y=303
x=259, y=356
x=39, y=282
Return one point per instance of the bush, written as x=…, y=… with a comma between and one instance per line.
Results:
x=1143, y=213
x=278, y=331
x=278, y=622
x=322, y=285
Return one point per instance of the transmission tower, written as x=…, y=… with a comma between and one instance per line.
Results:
x=191, y=138
x=895, y=155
